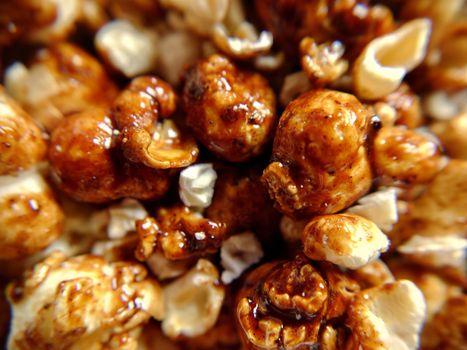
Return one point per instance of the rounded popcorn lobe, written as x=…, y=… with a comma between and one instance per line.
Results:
x=87, y=165
x=143, y=137
x=288, y=304
x=231, y=111
x=319, y=160
x=21, y=141
x=344, y=239
x=59, y=304
x=61, y=79
x=405, y=156
x=30, y=218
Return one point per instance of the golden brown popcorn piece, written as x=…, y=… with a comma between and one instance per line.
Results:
x=158, y=145
x=322, y=63
x=353, y=22
x=452, y=134
x=16, y=20
x=61, y=80
x=87, y=164
x=372, y=274
x=286, y=305
x=319, y=160
x=405, y=156
x=30, y=218
x=346, y=240
x=447, y=330
x=242, y=203
x=178, y=233
x=60, y=303
x=406, y=105
x=21, y=141
x=231, y=111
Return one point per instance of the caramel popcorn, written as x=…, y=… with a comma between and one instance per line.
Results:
x=286, y=304
x=231, y=111
x=57, y=304
x=232, y=174
x=137, y=111
x=83, y=157
x=62, y=79
x=346, y=240
x=319, y=161
x=179, y=233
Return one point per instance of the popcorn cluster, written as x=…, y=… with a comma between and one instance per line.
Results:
x=231, y=174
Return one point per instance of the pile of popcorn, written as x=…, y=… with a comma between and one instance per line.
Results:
x=228, y=174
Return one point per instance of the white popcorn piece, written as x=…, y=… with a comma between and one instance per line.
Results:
x=382, y=65
x=193, y=301
x=244, y=42
x=130, y=49
x=436, y=251
x=387, y=317
x=164, y=268
x=443, y=106
x=196, y=185
x=122, y=217
x=199, y=15
x=238, y=253
x=188, y=47
x=29, y=181
x=379, y=207
x=346, y=240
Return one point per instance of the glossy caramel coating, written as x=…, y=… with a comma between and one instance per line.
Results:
x=137, y=110
x=405, y=156
x=21, y=141
x=178, y=233
x=231, y=111
x=87, y=165
x=29, y=222
x=242, y=203
x=292, y=20
x=76, y=81
x=16, y=20
x=286, y=305
x=319, y=160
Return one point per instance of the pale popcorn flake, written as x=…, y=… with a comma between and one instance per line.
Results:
x=379, y=207
x=238, y=253
x=122, y=217
x=197, y=185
